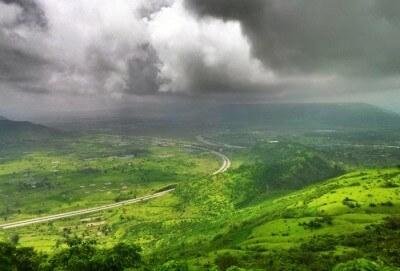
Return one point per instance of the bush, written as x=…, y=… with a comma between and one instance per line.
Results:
x=174, y=266
x=390, y=184
x=361, y=265
x=387, y=204
x=317, y=222
x=351, y=203
x=392, y=223
x=18, y=259
x=224, y=261
x=82, y=254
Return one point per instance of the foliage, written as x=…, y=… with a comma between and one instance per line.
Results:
x=82, y=254
x=361, y=265
x=174, y=266
x=19, y=259
x=288, y=165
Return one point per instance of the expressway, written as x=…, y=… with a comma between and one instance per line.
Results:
x=226, y=163
x=82, y=211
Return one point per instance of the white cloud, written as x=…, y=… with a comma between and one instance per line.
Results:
x=183, y=41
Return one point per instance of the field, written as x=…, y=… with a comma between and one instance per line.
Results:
x=95, y=170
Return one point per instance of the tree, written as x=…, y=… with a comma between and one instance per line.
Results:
x=226, y=260
x=14, y=239
x=18, y=259
x=361, y=265
x=174, y=266
x=82, y=254
x=117, y=258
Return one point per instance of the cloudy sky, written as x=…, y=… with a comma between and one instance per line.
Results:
x=75, y=55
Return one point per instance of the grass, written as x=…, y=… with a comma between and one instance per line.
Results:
x=282, y=223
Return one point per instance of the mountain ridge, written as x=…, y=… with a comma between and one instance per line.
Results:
x=24, y=130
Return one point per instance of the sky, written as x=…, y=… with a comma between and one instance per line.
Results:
x=63, y=55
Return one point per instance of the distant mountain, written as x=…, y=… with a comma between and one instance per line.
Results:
x=24, y=131
x=314, y=116
x=308, y=116
x=201, y=117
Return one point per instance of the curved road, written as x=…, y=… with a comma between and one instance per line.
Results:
x=226, y=163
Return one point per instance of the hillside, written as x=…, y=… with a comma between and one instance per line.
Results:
x=287, y=165
x=17, y=131
x=342, y=219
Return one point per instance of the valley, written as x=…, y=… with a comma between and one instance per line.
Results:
x=243, y=197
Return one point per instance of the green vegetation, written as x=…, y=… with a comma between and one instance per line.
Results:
x=287, y=166
x=290, y=201
x=74, y=255
x=20, y=131
x=310, y=229
x=92, y=171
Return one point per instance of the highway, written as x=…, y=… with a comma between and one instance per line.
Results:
x=226, y=163
x=82, y=211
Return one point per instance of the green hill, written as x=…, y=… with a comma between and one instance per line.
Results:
x=342, y=219
x=287, y=165
x=17, y=131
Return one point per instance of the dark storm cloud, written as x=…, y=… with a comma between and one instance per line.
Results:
x=17, y=65
x=21, y=68
x=346, y=38
x=145, y=49
x=218, y=79
x=143, y=71
x=32, y=14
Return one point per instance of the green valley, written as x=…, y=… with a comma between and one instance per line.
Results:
x=250, y=199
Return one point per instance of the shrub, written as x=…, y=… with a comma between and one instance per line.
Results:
x=387, y=203
x=350, y=203
x=174, y=266
x=360, y=265
x=317, y=223
x=390, y=184
x=392, y=222
x=226, y=260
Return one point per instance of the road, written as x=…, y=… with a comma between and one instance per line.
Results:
x=81, y=212
x=212, y=144
x=226, y=163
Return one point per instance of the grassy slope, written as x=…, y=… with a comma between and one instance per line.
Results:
x=284, y=223
x=371, y=190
